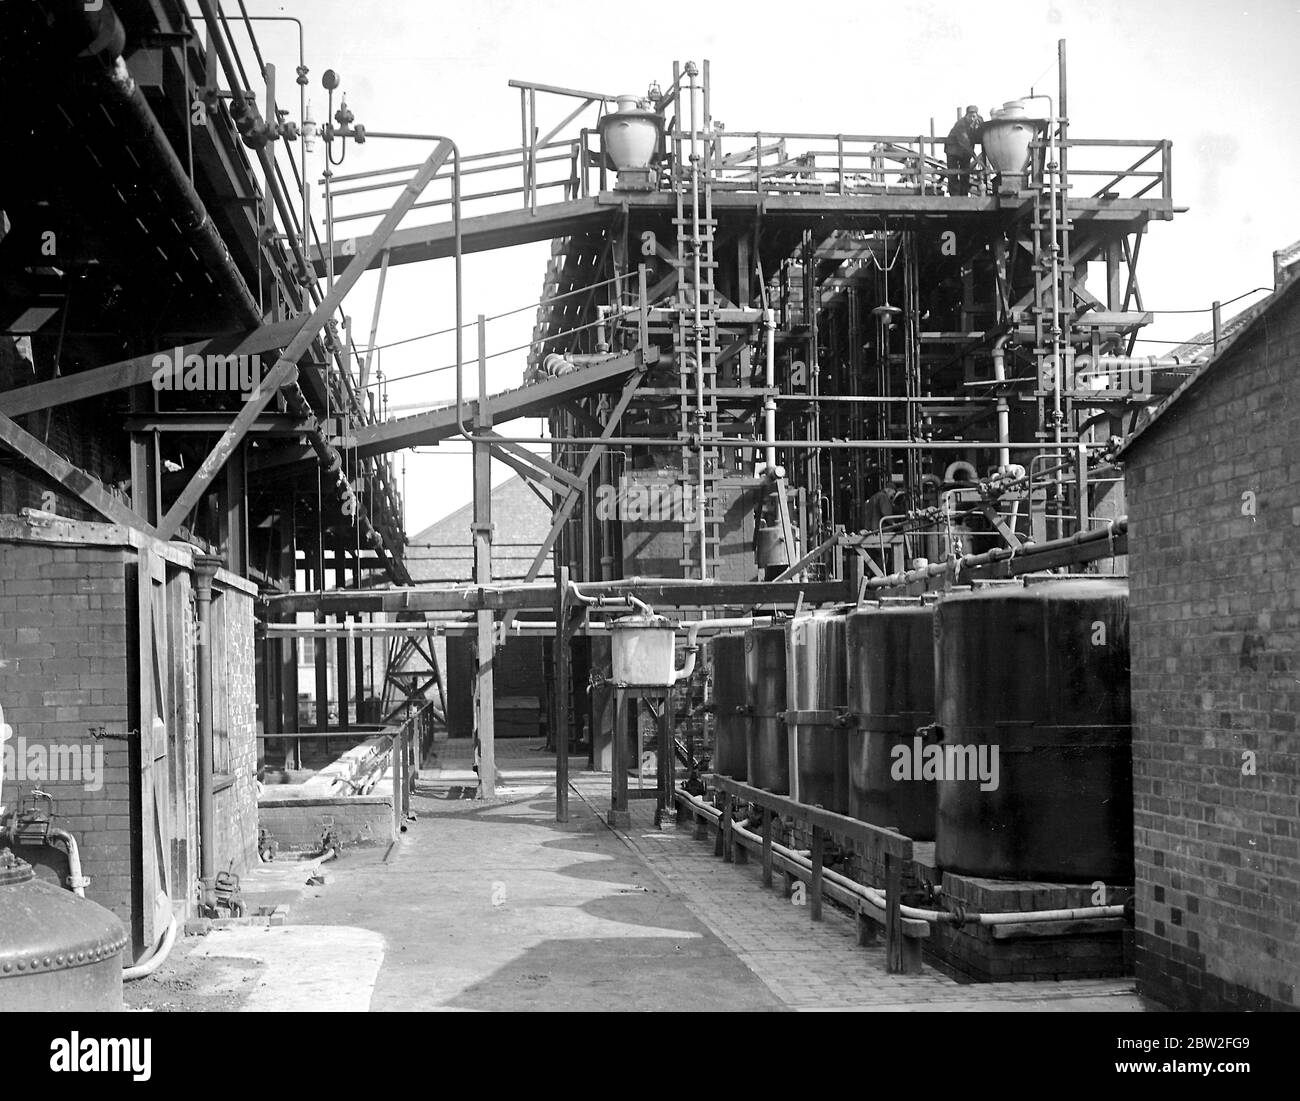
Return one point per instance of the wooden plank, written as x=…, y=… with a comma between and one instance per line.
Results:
x=1022, y=930
x=767, y=847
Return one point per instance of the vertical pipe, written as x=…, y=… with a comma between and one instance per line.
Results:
x=1004, y=410
x=563, y=676
x=205, y=567
x=1217, y=315
x=769, y=401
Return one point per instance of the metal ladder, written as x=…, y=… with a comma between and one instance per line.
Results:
x=1051, y=228
x=696, y=423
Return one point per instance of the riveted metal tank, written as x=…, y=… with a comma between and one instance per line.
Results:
x=768, y=746
x=727, y=694
x=631, y=134
x=1032, y=684
x=891, y=696
x=58, y=952
x=1007, y=135
x=816, y=687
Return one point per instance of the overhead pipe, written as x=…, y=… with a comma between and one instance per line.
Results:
x=999, y=554
x=152, y=147
x=294, y=397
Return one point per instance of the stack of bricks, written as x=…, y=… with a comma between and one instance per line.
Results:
x=63, y=670
x=1214, y=512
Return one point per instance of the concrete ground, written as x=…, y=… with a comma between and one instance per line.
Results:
x=493, y=905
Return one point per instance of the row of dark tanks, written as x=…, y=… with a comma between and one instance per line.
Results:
x=992, y=721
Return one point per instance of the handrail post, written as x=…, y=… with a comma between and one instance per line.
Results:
x=532, y=148
x=839, y=156
x=767, y=847
x=893, y=916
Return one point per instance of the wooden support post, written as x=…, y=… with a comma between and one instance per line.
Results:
x=667, y=771
x=767, y=847
x=719, y=841
x=728, y=842
x=815, y=885
x=893, y=915
x=619, y=817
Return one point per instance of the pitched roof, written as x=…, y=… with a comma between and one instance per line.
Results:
x=444, y=551
x=1287, y=293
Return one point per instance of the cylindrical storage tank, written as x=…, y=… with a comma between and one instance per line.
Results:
x=768, y=747
x=816, y=683
x=643, y=648
x=727, y=694
x=891, y=696
x=58, y=952
x=1032, y=695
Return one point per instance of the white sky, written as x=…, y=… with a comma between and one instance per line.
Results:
x=1219, y=80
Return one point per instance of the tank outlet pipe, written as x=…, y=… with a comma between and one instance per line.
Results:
x=769, y=402
x=76, y=881
x=155, y=959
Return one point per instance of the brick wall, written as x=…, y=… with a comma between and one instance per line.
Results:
x=1216, y=649
x=66, y=617
x=63, y=669
x=69, y=430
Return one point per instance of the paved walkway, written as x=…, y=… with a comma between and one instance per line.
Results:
x=819, y=965
x=488, y=906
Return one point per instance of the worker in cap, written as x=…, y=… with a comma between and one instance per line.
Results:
x=959, y=147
